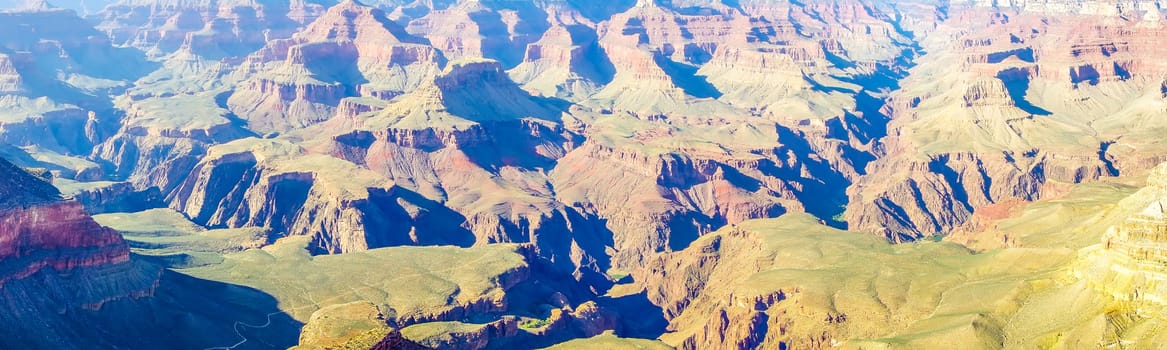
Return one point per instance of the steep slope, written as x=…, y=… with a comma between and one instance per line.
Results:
x=492, y=29
x=351, y=50
x=273, y=184
x=41, y=231
x=55, y=259
x=472, y=141
x=790, y=282
x=651, y=58
x=162, y=138
x=1030, y=100
x=565, y=62
x=209, y=28
x=58, y=74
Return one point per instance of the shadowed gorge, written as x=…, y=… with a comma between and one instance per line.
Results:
x=640, y=174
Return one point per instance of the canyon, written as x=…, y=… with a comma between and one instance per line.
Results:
x=490, y=174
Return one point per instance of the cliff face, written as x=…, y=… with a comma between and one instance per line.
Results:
x=1127, y=265
x=58, y=75
x=56, y=236
x=714, y=113
x=350, y=50
x=1033, y=101
x=207, y=28
x=41, y=231
x=56, y=260
x=162, y=138
x=664, y=145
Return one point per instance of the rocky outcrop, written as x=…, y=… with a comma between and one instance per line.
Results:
x=54, y=256
x=715, y=305
x=208, y=28
x=485, y=29
x=60, y=236
x=566, y=62
x=40, y=231
x=1002, y=128
x=58, y=76
x=114, y=197
x=162, y=138
x=260, y=187
x=1128, y=264
x=509, y=331
x=394, y=341
x=351, y=50
x=667, y=199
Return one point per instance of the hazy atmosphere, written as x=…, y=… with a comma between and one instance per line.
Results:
x=583, y=174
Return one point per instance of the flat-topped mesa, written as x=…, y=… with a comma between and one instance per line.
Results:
x=351, y=50
x=470, y=75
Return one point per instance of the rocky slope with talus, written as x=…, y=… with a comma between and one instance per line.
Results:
x=56, y=260
x=296, y=82
x=1026, y=109
x=214, y=29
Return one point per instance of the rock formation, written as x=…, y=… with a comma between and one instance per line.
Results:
x=208, y=28
x=58, y=75
x=654, y=137
x=351, y=50
x=1127, y=265
x=1019, y=97
x=55, y=259
x=42, y=231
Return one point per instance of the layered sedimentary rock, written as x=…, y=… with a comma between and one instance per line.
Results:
x=1034, y=101
x=344, y=208
x=41, y=231
x=607, y=137
x=55, y=259
x=651, y=59
x=161, y=139
x=497, y=30
x=58, y=73
x=790, y=282
x=208, y=28
x=351, y=50
x=565, y=62
x=465, y=139
x=1128, y=264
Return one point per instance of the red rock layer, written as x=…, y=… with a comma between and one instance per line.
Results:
x=60, y=236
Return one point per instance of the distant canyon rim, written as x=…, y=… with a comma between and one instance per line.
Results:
x=624, y=174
